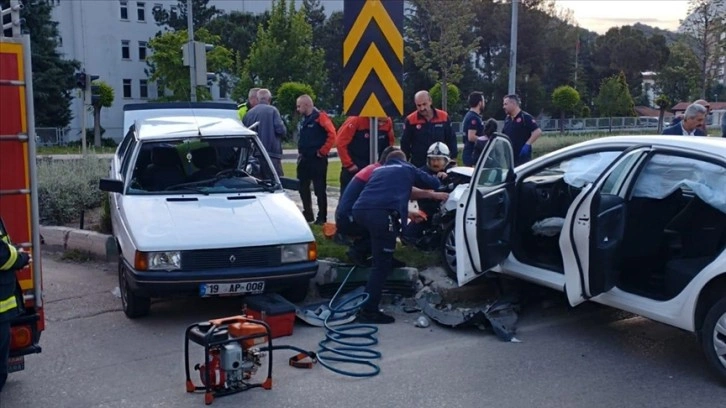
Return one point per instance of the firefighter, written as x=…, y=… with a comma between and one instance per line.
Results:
x=316, y=137
x=353, y=142
x=11, y=259
x=380, y=206
x=425, y=126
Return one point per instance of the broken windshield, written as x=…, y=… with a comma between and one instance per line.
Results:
x=201, y=166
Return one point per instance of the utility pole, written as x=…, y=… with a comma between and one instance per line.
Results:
x=513, y=48
x=192, y=54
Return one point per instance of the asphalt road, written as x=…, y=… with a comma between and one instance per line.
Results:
x=587, y=357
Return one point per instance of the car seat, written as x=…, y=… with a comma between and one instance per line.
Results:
x=165, y=169
x=204, y=159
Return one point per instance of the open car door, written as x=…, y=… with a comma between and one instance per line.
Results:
x=484, y=214
x=594, y=227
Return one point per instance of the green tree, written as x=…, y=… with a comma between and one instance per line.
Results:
x=442, y=52
x=283, y=52
x=663, y=103
x=614, y=98
x=166, y=66
x=704, y=24
x=679, y=78
x=288, y=93
x=565, y=98
x=105, y=101
x=330, y=41
x=315, y=16
x=202, y=14
x=53, y=80
x=453, y=95
x=237, y=30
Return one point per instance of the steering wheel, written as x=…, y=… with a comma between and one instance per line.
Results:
x=232, y=173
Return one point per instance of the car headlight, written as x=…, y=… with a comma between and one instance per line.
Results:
x=299, y=252
x=158, y=261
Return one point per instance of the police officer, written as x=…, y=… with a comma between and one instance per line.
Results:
x=11, y=259
x=472, y=126
x=424, y=127
x=251, y=102
x=353, y=143
x=316, y=137
x=380, y=206
x=521, y=128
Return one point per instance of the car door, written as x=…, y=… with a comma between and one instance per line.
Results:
x=484, y=214
x=594, y=229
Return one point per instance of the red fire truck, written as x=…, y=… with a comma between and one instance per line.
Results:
x=18, y=181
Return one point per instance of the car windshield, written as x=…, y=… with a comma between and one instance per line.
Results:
x=201, y=166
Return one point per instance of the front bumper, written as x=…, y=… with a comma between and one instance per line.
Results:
x=163, y=283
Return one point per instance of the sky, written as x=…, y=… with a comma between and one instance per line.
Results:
x=599, y=16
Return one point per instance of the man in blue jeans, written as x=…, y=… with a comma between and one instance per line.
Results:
x=380, y=206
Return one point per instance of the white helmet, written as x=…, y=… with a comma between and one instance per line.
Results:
x=438, y=149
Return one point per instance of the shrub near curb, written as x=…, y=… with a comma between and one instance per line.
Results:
x=67, y=187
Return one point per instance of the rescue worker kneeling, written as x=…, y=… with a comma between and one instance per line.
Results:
x=11, y=259
x=379, y=208
x=437, y=162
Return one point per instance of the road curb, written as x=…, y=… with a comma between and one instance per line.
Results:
x=99, y=246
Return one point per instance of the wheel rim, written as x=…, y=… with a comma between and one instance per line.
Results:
x=719, y=339
x=450, y=250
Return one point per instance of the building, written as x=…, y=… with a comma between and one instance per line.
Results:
x=109, y=38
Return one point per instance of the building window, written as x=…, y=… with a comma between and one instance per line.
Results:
x=125, y=50
x=124, y=9
x=173, y=12
x=142, y=50
x=140, y=11
x=143, y=88
x=127, y=88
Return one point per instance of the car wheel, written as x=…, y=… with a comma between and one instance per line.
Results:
x=713, y=338
x=448, y=251
x=297, y=293
x=133, y=305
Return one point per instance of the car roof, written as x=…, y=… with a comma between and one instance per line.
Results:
x=178, y=126
x=711, y=145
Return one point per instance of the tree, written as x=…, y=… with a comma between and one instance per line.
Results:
x=705, y=23
x=442, y=52
x=565, y=98
x=237, y=31
x=315, y=16
x=288, y=93
x=104, y=101
x=679, y=78
x=663, y=103
x=614, y=98
x=53, y=79
x=166, y=66
x=202, y=14
x=283, y=52
x=330, y=41
x=453, y=95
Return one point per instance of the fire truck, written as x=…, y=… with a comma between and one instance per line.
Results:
x=19, y=181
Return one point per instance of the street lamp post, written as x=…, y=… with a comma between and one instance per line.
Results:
x=513, y=48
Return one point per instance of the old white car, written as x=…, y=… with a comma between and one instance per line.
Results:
x=633, y=222
x=197, y=208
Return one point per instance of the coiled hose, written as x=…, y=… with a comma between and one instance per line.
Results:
x=349, y=344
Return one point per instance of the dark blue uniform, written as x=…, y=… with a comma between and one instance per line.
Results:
x=471, y=121
x=519, y=129
x=380, y=207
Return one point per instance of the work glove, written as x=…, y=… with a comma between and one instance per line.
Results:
x=526, y=151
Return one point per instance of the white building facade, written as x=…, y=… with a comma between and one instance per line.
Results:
x=109, y=38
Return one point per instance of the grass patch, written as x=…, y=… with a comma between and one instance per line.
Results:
x=327, y=248
x=75, y=255
x=333, y=178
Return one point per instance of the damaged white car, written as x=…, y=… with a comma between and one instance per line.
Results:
x=198, y=209
x=634, y=222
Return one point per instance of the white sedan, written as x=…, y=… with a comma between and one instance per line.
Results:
x=633, y=222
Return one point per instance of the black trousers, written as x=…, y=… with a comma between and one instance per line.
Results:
x=4, y=351
x=315, y=170
x=383, y=228
x=345, y=178
x=361, y=238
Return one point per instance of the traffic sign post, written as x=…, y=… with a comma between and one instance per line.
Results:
x=373, y=62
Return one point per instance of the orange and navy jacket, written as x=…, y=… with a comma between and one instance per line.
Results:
x=353, y=140
x=316, y=135
x=419, y=134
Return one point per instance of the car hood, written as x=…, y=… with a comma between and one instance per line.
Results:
x=214, y=221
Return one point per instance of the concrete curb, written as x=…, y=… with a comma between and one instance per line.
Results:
x=99, y=246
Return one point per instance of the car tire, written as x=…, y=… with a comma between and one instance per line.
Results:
x=297, y=293
x=713, y=337
x=133, y=305
x=448, y=251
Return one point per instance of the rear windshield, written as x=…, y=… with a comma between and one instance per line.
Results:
x=201, y=166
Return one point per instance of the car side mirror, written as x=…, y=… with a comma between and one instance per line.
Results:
x=111, y=185
x=290, y=183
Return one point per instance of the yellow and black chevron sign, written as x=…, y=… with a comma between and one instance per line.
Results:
x=373, y=58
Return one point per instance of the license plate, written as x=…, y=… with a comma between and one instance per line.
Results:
x=16, y=364
x=233, y=288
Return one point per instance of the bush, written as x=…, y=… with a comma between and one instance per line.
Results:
x=105, y=224
x=105, y=141
x=453, y=97
x=67, y=187
x=287, y=94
